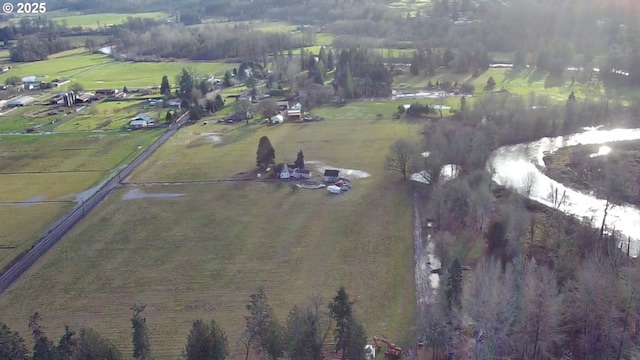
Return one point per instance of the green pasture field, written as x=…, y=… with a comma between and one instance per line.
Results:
x=202, y=259
x=54, y=167
x=345, y=138
x=110, y=115
x=395, y=53
x=520, y=82
x=92, y=20
x=58, y=166
x=189, y=257
x=98, y=71
x=23, y=224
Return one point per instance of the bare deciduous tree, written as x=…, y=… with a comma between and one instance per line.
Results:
x=489, y=301
x=539, y=331
x=529, y=183
x=401, y=157
x=590, y=310
x=557, y=199
x=616, y=178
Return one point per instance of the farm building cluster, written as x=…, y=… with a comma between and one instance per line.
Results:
x=331, y=178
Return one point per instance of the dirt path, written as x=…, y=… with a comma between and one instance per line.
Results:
x=424, y=292
x=69, y=220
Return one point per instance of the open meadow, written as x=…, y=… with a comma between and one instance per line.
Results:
x=104, y=19
x=41, y=176
x=95, y=71
x=350, y=137
x=519, y=82
x=200, y=253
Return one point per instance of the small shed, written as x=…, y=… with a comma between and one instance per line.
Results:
x=21, y=101
x=285, y=173
x=294, y=115
x=282, y=105
x=176, y=103
x=278, y=119
x=331, y=175
x=303, y=173
x=138, y=124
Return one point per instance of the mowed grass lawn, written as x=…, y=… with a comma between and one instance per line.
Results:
x=350, y=137
x=95, y=71
x=202, y=254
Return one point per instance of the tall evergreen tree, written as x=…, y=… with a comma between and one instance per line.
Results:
x=93, y=346
x=454, y=285
x=322, y=54
x=204, y=87
x=206, y=342
x=266, y=154
x=11, y=344
x=330, y=61
x=300, y=160
x=43, y=348
x=219, y=102
x=356, y=340
x=165, y=88
x=348, y=87
x=341, y=311
x=141, y=346
x=185, y=83
x=227, y=79
x=414, y=69
x=303, y=60
x=67, y=345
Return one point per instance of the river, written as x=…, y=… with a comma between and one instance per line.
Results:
x=517, y=166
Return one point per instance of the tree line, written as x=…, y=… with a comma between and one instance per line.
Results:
x=303, y=336
x=208, y=42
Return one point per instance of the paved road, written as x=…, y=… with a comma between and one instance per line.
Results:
x=68, y=221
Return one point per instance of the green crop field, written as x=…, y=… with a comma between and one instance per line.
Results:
x=201, y=254
x=99, y=71
x=92, y=20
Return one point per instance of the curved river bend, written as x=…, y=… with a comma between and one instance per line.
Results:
x=515, y=165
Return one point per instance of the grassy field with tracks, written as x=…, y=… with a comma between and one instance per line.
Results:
x=38, y=169
x=201, y=254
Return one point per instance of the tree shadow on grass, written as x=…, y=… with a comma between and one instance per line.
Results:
x=537, y=75
x=553, y=81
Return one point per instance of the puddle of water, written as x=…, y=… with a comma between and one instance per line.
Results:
x=134, y=194
x=448, y=172
x=352, y=173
